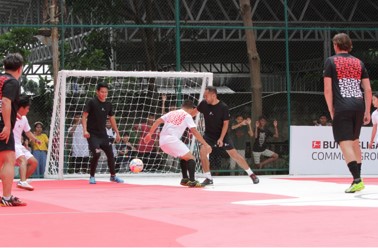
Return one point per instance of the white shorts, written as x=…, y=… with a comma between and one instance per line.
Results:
x=175, y=149
x=257, y=155
x=22, y=151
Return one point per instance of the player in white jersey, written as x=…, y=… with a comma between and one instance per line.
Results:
x=374, y=120
x=175, y=123
x=24, y=159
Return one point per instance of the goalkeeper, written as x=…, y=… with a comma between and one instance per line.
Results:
x=175, y=123
x=96, y=111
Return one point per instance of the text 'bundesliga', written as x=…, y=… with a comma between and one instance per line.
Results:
x=330, y=150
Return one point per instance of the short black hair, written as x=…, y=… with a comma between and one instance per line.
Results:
x=126, y=134
x=188, y=104
x=24, y=101
x=212, y=89
x=375, y=94
x=13, y=61
x=102, y=85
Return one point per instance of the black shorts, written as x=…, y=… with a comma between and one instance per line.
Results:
x=96, y=142
x=8, y=146
x=346, y=125
x=227, y=142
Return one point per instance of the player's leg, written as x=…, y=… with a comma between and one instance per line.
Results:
x=108, y=149
x=191, y=165
x=27, y=165
x=346, y=130
x=7, y=161
x=32, y=164
x=204, y=157
x=242, y=163
x=94, y=148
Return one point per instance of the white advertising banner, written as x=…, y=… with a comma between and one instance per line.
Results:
x=313, y=151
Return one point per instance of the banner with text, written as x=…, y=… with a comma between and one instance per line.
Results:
x=313, y=151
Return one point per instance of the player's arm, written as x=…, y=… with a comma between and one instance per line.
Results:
x=200, y=139
x=6, y=109
x=32, y=138
x=368, y=96
x=223, y=133
x=84, y=124
x=328, y=95
x=113, y=123
x=157, y=123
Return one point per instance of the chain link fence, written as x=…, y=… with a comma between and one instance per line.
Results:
x=293, y=38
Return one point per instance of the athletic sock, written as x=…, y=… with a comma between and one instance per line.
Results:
x=184, y=168
x=353, y=168
x=249, y=171
x=208, y=175
x=191, y=168
x=359, y=165
x=7, y=198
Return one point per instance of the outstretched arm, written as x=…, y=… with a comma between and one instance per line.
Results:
x=157, y=123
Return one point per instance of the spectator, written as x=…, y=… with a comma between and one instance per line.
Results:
x=40, y=149
x=260, y=147
x=125, y=152
x=322, y=122
x=148, y=152
x=241, y=132
x=79, y=156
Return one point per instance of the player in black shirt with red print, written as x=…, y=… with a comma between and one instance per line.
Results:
x=345, y=80
x=9, y=97
x=217, y=117
x=96, y=112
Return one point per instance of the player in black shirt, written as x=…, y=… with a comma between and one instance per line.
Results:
x=348, y=95
x=9, y=97
x=217, y=117
x=96, y=112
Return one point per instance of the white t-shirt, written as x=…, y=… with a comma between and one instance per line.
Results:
x=22, y=125
x=175, y=123
x=79, y=143
x=374, y=120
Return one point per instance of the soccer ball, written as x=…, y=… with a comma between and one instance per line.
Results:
x=136, y=165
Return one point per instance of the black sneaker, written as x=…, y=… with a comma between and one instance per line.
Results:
x=195, y=184
x=184, y=181
x=12, y=202
x=254, y=178
x=207, y=181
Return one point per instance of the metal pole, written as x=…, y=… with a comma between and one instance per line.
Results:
x=178, y=51
x=54, y=39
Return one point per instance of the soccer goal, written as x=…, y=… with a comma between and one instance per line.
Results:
x=137, y=99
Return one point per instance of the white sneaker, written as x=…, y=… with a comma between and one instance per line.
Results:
x=24, y=185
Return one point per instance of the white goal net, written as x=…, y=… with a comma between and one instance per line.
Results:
x=138, y=98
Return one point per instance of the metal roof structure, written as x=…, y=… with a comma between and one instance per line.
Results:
x=308, y=15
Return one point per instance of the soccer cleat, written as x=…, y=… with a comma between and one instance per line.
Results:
x=354, y=187
x=92, y=180
x=195, y=184
x=184, y=181
x=25, y=185
x=207, y=181
x=12, y=202
x=254, y=178
x=116, y=179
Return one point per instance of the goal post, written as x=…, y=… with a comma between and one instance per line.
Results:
x=137, y=100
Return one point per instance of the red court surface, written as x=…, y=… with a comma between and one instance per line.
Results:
x=154, y=212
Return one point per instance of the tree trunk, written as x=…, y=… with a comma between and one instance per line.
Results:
x=253, y=59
